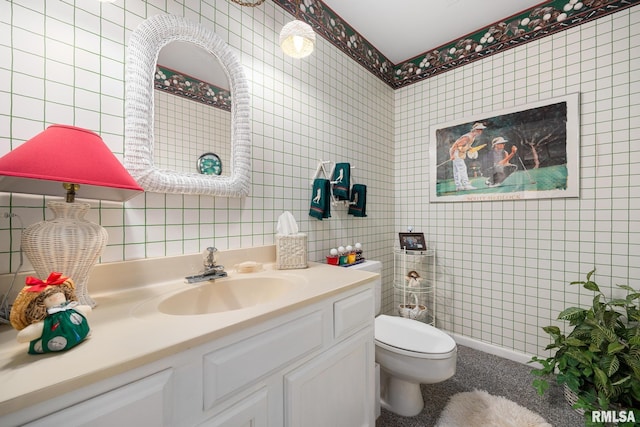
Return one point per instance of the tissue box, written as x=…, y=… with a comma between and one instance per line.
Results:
x=291, y=251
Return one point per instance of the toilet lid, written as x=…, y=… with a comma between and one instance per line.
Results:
x=412, y=335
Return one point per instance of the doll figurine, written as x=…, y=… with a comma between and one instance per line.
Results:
x=413, y=279
x=48, y=317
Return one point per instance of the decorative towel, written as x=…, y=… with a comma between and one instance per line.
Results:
x=358, y=200
x=321, y=199
x=342, y=178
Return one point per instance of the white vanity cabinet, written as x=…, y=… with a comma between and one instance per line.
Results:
x=308, y=366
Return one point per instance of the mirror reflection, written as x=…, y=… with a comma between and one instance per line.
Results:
x=192, y=115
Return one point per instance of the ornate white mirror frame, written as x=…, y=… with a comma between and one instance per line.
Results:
x=142, y=54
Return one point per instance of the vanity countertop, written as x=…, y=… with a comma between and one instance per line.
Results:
x=122, y=339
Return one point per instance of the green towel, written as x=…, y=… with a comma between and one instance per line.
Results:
x=358, y=200
x=342, y=179
x=321, y=199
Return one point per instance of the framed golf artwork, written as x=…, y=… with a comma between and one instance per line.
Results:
x=526, y=152
x=412, y=241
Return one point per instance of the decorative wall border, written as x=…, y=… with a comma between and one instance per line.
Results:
x=532, y=24
x=184, y=85
x=333, y=28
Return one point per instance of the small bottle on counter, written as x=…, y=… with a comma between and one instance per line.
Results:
x=344, y=257
x=333, y=257
x=358, y=252
x=351, y=255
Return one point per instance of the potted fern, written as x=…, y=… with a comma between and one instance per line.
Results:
x=599, y=360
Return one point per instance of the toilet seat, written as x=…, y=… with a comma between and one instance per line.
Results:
x=413, y=338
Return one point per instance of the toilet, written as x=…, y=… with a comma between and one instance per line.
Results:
x=409, y=353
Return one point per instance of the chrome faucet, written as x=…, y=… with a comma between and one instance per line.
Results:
x=212, y=271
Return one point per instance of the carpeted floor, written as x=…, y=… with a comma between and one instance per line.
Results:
x=497, y=376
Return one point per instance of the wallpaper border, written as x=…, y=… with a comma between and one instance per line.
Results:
x=532, y=24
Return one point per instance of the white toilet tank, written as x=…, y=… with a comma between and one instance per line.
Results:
x=374, y=267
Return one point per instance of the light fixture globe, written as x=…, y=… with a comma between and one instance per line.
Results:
x=297, y=39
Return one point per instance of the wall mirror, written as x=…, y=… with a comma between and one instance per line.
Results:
x=192, y=111
x=144, y=152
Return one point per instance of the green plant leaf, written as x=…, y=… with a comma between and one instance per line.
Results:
x=579, y=355
x=554, y=331
x=575, y=342
x=635, y=390
x=601, y=331
x=633, y=362
x=618, y=302
x=610, y=364
x=615, y=347
x=571, y=313
x=626, y=288
x=602, y=381
x=633, y=295
x=621, y=381
x=592, y=286
x=540, y=385
x=571, y=381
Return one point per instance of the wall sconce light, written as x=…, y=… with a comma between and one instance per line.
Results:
x=297, y=38
x=69, y=158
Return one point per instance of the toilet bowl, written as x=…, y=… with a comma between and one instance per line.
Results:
x=409, y=353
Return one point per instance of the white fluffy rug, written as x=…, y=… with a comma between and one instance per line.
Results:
x=480, y=409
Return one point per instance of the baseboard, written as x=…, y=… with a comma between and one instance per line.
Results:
x=491, y=348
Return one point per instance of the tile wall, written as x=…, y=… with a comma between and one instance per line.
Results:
x=185, y=129
x=62, y=61
x=505, y=265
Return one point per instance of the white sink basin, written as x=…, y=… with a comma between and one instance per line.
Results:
x=221, y=295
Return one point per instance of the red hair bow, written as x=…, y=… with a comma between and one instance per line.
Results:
x=36, y=285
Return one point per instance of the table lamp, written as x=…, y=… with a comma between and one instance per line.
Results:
x=66, y=159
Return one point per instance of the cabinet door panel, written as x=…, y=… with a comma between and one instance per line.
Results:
x=335, y=389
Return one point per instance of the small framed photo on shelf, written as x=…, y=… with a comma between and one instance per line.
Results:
x=412, y=241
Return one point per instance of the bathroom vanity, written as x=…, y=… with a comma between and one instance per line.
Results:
x=301, y=357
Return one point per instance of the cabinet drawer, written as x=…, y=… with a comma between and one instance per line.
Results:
x=247, y=361
x=143, y=402
x=353, y=313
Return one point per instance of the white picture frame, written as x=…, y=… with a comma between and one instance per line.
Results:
x=545, y=161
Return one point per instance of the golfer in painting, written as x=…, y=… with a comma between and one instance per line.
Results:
x=458, y=152
x=501, y=167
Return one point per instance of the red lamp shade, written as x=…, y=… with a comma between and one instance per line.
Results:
x=66, y=154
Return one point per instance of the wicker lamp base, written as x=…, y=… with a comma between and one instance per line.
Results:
x=68, y=244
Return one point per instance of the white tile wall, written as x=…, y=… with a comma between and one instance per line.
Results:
x=185, y=129
x=503, y=265
x=63, y=62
